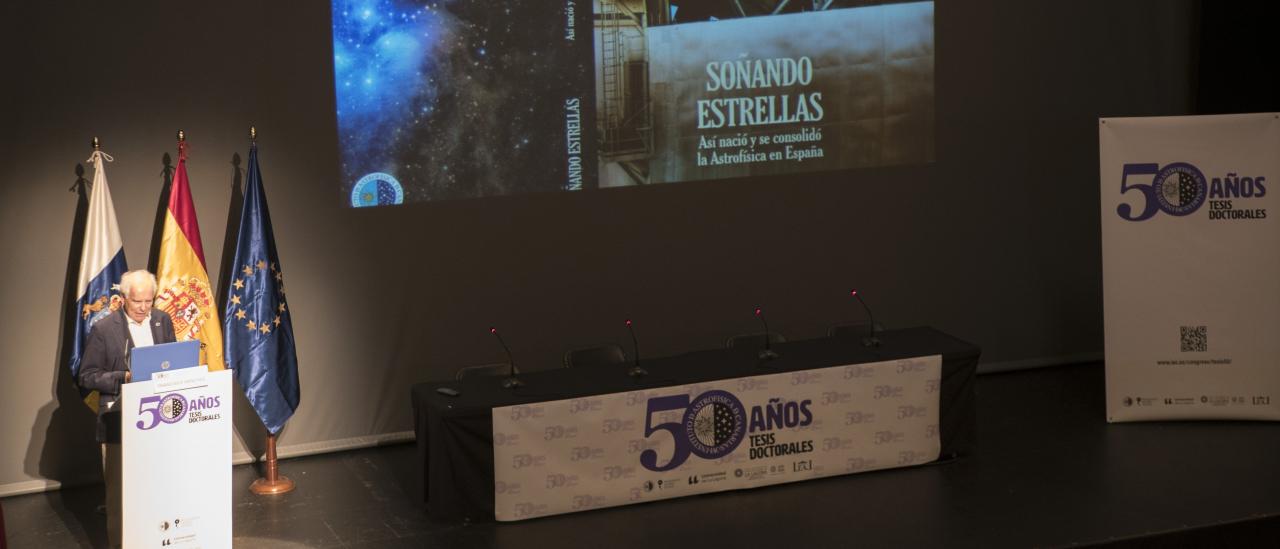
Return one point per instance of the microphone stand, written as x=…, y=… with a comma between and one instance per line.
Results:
x=871, y=340
x=511, y=382
x=636, y=370
x=766, y=353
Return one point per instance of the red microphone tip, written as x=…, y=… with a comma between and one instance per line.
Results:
x=628, y=322
x=757, y=311
x=493, y=330
x=853, y=293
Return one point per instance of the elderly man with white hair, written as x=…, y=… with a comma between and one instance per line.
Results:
x=105, y=366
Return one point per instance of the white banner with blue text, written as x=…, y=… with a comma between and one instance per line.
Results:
x=622, y=448
x=1191, y=266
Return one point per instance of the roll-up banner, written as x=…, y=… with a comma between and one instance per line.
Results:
x=176, y=455
x=1191, y=266
x=622, y=448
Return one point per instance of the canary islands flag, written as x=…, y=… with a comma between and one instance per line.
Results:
x=101, y=262
x=184, y=281
x=257, y=318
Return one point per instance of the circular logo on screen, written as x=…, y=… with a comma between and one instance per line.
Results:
x=1180, y=188
x=715, y=423
x=377, y=189
x=172, y=408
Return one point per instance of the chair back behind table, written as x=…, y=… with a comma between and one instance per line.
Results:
x=755, y=339
x=477, y=370
x=853, y=329
x=600, y=355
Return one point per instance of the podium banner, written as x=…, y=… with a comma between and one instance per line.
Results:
x=622, y=448
x=1191, y=266
x=176, y=454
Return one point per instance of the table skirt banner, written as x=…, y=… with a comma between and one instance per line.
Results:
x=1191, y=266
x=631, y=447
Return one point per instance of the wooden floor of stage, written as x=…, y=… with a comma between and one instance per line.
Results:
x=1046, y=471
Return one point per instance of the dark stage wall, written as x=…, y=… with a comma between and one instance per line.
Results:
x=997, y=242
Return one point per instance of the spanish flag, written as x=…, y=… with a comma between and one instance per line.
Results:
x=185, y=292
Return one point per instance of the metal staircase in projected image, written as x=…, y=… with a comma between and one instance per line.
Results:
x=625, y=120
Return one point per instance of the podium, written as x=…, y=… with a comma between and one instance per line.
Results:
x=176, y=460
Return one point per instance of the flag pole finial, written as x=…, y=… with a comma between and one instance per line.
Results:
x=182, y=136
x=97, y=144
x=253, y=133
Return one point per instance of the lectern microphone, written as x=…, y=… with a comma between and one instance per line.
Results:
x=511, y=382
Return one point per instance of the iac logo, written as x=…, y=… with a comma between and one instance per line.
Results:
x=377, y=189
x=1180, y=189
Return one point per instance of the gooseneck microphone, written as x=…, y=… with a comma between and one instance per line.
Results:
x=128, y=356
x=871, y=340
x=766, y=353
x=636, y=370
x=512, y=381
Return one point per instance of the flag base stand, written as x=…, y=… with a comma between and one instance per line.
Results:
x=273, y=483
x=265, y=487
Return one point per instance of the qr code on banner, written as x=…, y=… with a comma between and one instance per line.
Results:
x=1195, y=339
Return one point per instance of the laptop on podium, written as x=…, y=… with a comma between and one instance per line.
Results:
x=147, y=361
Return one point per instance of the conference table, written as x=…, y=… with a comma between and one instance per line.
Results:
x=455, y=443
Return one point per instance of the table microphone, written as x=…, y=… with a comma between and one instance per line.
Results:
x=766, y=353
x=636, y=370
x=871, y=340
x=512, y=381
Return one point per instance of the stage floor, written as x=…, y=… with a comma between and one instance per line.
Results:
x=1046, y=471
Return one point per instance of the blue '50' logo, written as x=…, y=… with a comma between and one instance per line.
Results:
x=710, y=427
x=1177, y=189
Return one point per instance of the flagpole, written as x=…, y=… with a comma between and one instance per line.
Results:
x=273, y=482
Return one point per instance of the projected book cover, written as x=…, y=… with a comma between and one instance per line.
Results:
x=464, y=99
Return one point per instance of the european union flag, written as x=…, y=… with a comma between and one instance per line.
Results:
x=256, y=322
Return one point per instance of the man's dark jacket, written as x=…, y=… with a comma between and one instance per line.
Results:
x=104, y=362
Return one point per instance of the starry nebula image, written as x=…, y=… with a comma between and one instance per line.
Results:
x=462, y=98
